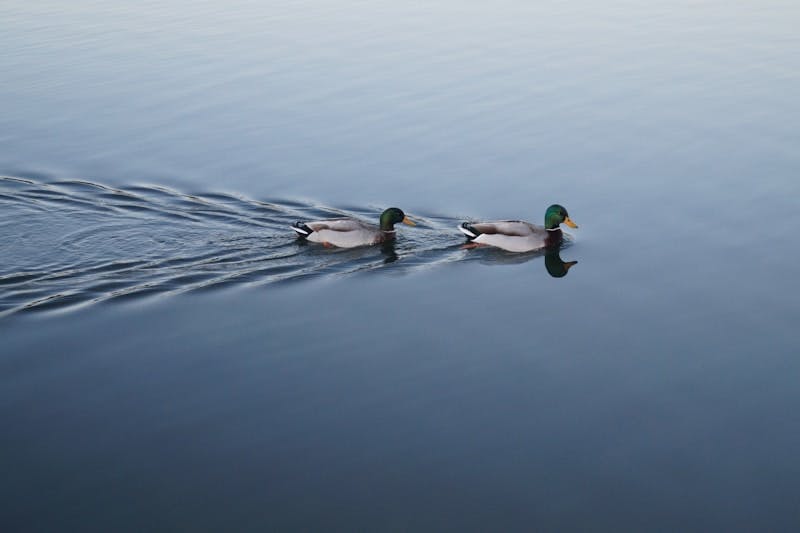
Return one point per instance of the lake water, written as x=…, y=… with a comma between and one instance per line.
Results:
x=173, y=359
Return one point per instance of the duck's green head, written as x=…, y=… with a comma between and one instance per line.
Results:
x=393, y=216
x=555, y=215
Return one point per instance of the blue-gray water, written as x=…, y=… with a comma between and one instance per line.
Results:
x=172, y=359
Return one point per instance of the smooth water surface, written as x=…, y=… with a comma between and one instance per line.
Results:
x=173, y=359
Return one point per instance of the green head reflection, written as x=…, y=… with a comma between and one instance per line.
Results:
x=555, y=266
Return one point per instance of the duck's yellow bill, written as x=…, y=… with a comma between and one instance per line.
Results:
x=569, y=264
x=408, y=221
x=568, y=221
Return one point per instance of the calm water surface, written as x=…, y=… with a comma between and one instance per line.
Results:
x=172, y=359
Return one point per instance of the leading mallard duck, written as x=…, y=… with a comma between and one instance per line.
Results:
x=519, y=236
x=351, y=232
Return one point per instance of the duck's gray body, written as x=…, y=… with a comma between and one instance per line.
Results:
x=510, y=235
x=342, y=232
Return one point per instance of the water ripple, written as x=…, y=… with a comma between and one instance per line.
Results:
x=72, y=243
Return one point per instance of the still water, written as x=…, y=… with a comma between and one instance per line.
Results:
x=173, y=359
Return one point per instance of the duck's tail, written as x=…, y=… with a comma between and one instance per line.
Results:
x=467, y=229
x=302, y=229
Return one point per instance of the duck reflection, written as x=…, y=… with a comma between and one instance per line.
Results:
x=389, y=252
x=555, y=266
x=352, y=256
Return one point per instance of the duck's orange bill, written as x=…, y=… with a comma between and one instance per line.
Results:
x=568, y=221
x=408, y=221
x=569, y=264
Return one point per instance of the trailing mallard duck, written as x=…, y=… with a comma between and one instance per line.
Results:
x=351, y=232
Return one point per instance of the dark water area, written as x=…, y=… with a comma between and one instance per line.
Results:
x=172, y=358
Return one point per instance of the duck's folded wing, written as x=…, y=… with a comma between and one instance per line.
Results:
x=510, y=228
x=340, y=224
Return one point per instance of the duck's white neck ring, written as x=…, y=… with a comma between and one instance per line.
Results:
x=388, y=230
x=553, y=229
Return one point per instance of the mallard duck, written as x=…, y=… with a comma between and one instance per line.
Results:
x=351, y=232
x=519, y=236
